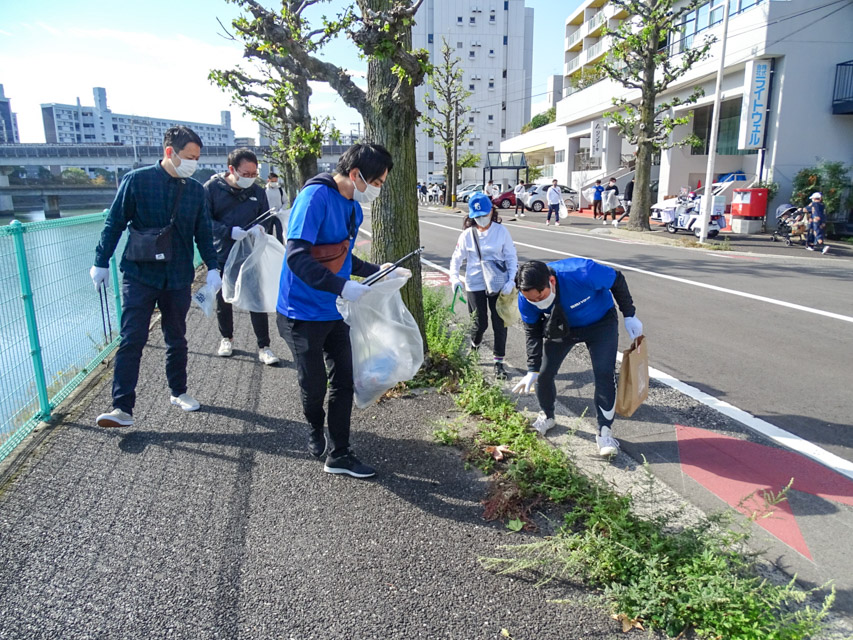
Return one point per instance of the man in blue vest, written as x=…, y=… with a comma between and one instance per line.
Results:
x=564, y=303
x=326, y=216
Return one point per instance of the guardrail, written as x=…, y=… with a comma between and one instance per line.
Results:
x=52, y=331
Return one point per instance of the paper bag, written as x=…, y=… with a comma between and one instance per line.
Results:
x=633, y=388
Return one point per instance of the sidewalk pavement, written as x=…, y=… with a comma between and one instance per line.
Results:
x=218, y=524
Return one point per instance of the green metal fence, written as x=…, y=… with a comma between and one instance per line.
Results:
x=52, y=330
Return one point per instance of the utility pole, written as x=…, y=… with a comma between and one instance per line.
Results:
x=358, y=126
x=707, y=202
x=455, y=153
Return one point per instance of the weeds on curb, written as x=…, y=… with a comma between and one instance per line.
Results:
x=447, y=359
x=696, y=579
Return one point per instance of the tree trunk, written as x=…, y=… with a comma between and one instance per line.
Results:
x=390, y=121
x=641, y=204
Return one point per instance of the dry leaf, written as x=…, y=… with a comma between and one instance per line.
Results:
x=628, y=623
x=499, y=452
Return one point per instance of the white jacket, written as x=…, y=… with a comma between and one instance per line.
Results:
x=495, y=244
x=555, y=196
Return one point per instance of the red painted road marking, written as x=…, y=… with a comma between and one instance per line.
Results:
x=435, y=279
x=733, y=469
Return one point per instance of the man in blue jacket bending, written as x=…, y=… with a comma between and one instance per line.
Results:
x=564, y=303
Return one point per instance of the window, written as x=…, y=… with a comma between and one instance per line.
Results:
x=470, y=144
x=430, y=155
x=504, y=74
x=471, y=54
x=503, y=133
x=429, y=38
x=491, y=144
x=491, y=83
x=471, y=87
x=491, y=53
x=505, y=40
x=458, y=19
x=728, y=131
x=492, y=17
x=506, y=5
x=471, y=119
x=472, y=20
x=491, y=118
x=458, y=45
x=560, y=156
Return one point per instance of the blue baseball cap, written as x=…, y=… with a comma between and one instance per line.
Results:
x=479, y=204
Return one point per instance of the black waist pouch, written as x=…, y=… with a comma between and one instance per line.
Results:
x=149, y=245
x=153, y=245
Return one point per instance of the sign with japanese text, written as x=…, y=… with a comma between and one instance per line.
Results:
x=596, y=138
x=756, y=97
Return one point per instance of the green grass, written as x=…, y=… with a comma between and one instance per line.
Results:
x=447, y=359
x=696, y=579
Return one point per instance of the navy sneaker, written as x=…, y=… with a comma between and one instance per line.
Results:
x=500, y=372
x=348, y=464
x=317, y=443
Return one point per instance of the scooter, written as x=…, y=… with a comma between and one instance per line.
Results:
x=686, y=216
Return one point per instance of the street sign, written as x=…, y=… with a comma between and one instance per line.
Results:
x=596, y=138
x=753, y=115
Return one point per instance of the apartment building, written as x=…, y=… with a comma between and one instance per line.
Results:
x=8, y=121
x=493, y=39
x=77, y=124
x=787, y=96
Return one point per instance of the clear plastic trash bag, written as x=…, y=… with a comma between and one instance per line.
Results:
x=386, y=344
x=250, y=280
x=204, y=299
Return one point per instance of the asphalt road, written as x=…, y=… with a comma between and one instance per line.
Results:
x=788, y=365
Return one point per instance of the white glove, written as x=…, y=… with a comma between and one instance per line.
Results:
x=354, y=290
x=99, y=275
x=508, y=287
x=399, y=272
x=526, y=383
x=257, y=231
x=454, y=285
x=634, y=327
x=238, y=234
x=214, y=280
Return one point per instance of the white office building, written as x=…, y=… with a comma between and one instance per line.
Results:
x=494, y=41
x=787, y=97
x=76, y=124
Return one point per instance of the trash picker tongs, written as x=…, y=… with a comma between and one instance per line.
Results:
x=384, y=272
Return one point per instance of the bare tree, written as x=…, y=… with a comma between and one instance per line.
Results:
x=640, y=58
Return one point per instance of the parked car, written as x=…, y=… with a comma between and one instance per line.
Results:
x=535, y=197
x=506, y=200
x=464, y=195
x=464, y=187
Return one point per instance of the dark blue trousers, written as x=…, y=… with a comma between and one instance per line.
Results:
x=138, y=301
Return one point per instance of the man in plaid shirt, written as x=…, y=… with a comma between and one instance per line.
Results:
x=146, y=199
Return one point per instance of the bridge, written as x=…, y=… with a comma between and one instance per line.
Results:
x=50, y=194
x=108, y=155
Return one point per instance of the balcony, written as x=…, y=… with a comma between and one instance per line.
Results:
x=842, y=96
x=573, y=39
x=597, y=50
x=595, y=22
x=572, y=65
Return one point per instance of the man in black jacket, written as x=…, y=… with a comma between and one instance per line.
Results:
x=235, y=201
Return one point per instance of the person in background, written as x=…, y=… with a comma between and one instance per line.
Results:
x=562, y=304
x=596, y=199
x=613, y=201
x=443, y=196
x=275, y=192
x=326, y=212
x=554, y=197
x=152, y=198
x=629, y=195
x=816, y=212
x=494, y=243
x=519, y=202
x=235, y=200
x=492, y=190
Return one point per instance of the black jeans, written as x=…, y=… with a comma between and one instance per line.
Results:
x=316, y=345
x=479, y=305
x=225, y=319
x=627, y=213
x=519, y=205
x=602, y=340
x=138, y=302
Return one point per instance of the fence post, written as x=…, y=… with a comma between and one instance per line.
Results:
x=17, y=230
x=116, y=289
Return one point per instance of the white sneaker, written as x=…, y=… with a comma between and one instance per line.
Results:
x=115, y=418
x=607, y=445
x=825, y=250
x=185, y=402
x=266, y=356
x=556, y=224
x=615, y=223
x=809, y=249
x=604, y=222
x=547, y=222
x=225, y=348
x=543, y=423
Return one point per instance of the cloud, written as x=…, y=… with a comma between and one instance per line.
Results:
x=4, y=33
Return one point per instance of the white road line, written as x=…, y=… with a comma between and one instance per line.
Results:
x=742, y=294
x=770, y=431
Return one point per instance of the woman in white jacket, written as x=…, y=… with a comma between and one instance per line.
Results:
x=484, y=239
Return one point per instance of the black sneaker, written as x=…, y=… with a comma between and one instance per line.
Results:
x=349, y=465
x=500, y=372
x=317, y=443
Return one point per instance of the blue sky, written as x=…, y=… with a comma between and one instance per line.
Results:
x=153, y=58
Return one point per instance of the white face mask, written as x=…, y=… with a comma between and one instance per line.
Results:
x=483, y=221
x=244, y=183
x=369, y=194
x=186, y=168
x=545, y=302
